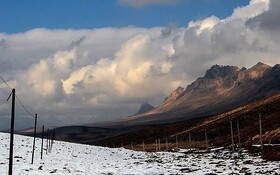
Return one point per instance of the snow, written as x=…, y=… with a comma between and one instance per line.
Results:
x=78, y=159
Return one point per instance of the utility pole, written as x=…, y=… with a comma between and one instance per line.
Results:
x=260, y=121
x=47, y=146
x=12, y=132
x=42, y=144
x=238, y=131
x=53, y=134
x=34, y=139
x=231, y=132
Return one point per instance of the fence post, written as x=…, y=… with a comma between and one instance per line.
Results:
x=12, y=132
x=260, y=121
x=238, y=131
x=131, y=145
x=52, y=141
x=34, y=139
x=47, y=145
x=206, y=139
x=42, y=144
x=143, y=145
x=158, y=144
x=231, y=132
x=166, y=144
x=177, y=147
x=190, y=141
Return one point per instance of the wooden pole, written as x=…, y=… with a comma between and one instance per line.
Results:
x=260, y=121
x=47, y=145
x=12, y=129
x=34, y=139
x=166, y=144
x=177, y=143
x=42, y=144
x=52, y=140
x=231, y=132
x=49, y=141
x=206, y=139
x=158, y=144
x=131, y=145
x=143, y=145
x=190, y=141
x=238, y=132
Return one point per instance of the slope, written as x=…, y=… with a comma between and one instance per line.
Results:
x=217, y=127
x=222, y=88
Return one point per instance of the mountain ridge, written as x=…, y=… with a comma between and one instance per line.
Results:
x=221, y=88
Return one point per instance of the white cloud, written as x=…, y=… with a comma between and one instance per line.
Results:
x=142, y=3
x=107, y=73
x=205, y=24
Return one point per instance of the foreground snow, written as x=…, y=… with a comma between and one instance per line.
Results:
x=77, y=159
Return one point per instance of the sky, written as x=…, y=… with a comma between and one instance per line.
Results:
x=20, y=16
x=76, y=62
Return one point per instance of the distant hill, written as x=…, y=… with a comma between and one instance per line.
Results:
x=145, y=107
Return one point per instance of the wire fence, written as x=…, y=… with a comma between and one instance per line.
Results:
x=206, y=137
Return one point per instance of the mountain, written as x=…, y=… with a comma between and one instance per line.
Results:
x=173, y=96
x=221, y=88
x=217, y=127
x=145, y=107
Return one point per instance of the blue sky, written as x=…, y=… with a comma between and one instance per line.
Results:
x=22, y=15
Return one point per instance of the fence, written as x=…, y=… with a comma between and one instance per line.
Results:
x=199, y=138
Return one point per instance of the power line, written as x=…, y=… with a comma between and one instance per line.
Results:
x=24, y=107
x=17, y=98
x=5, y=82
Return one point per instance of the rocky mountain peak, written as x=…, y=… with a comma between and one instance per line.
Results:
x=220, y=71
x=174, y=94
x=276, y=68
x=145, y=107
x=261, y=66
x=258, y=70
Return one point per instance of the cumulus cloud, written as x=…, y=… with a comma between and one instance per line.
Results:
x=143, y=3
x=205, y=24
x=79, y=76
x=269, y=20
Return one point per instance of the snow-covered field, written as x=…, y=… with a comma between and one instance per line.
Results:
x=77, y=159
